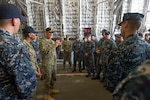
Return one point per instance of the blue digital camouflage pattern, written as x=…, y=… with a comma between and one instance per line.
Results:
x=35, y=45
x=89, y=48
x=136, y=86
x=99, y=48
x=107, y=46
x=78, y=50
x=17, y=77
x=99, y=44
x=95, y=43
x=125, y=58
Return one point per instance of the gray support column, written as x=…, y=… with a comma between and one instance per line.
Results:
x=146, y=4
x=29, y=13
x=46, y=14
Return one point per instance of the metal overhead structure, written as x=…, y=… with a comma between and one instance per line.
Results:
x=105, y=13
x=117, y=5
x=22, y=6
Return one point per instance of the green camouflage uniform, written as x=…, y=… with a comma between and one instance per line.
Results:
x=34, y=62
x=49, y=62
x=67, y=46
x=32, y=55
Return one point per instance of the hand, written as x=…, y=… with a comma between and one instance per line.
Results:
x=66, y=50
x=86, y=54
x=76, y=51
x=57, y=43
x=100, y=62
x=98, y=51
x=106, y=60
x=38, y=74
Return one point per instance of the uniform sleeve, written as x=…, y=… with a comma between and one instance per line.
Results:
x=114, y=44
x=91, y=48
x=135, y=87
x=115, y=69
x=63, y=44
x=70, y=46
x=73, y=46
x=19, y=70
x=148, y=52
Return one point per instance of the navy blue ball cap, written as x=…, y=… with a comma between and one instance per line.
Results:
x=89, y=35
x=104, y=30
x=29, y=29
x=132, y=16
x=8, y=11
x=77, y=37
x=107, y=33
x=93, y=35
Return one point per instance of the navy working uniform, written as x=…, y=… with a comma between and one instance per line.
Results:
x=107, y=46
x=84, y=45
x=93, y=38
x=78, y=53
x=136, y=86
x=89, y=48
x=127, y=56
x=98, y=66
x=17, y=77
x=15, y=64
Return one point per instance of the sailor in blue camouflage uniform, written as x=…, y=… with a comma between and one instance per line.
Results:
x=136, y=86
x=17, y=77
x=89, y=56
x=128, y=54
x=84, y=45
x=98, y=54
x=78, y=53
x=93, y=38
x=107, y=46
x=35, y=44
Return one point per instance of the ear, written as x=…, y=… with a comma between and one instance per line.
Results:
x=14, y=21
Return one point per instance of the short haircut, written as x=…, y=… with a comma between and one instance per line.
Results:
x=134, y=24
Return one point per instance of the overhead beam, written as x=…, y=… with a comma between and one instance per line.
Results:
x=60, y=6
x=37, y=2
x=118, y=6
x=22, y=7
x=102, y=2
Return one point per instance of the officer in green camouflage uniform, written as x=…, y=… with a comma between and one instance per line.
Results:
x=49, y=62
x=67, y=47
x=29, y=34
